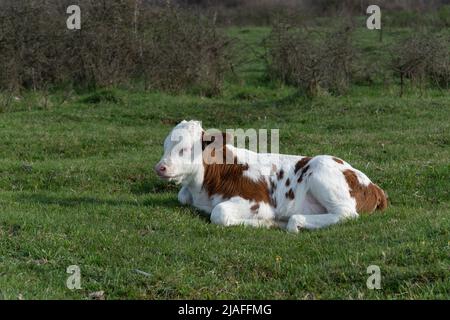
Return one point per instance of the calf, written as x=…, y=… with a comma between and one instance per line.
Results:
x=285, y=191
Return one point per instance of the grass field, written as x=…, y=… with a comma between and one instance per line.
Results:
x=77, y=188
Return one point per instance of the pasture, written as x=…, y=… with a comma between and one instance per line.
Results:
x=77, y=188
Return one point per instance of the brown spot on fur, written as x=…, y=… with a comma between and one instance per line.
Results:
x=368, y=198
x=338, y=160
x=280, y=174
x=290, y=194
x=228, y=180
x=273, y=186
x=254, y=208
x=288, y=182
x=301, y=163
x=304, y=170
x=273, y=202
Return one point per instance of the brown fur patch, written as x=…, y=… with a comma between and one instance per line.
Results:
x=368, y=198
x=228, y=180
x=305, y=169
x=301, y=163
x=290, y=194
x=338, y=160
x=288, y=182
x=254, y=208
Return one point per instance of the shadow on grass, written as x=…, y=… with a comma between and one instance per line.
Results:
x=74, y=202
x=152, y=186
x=79, y=201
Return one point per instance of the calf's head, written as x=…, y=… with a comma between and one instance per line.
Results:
x=182, y=152
x=187, y=148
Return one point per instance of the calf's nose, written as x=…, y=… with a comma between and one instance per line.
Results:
x=160, y=168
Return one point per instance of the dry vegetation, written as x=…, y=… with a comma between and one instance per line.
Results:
x=119, y=42
x=422, y=59
x=326, y=60
x=310, y=60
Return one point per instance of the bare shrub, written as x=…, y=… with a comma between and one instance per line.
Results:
x=121, y=42
x=104, y=52
x=38, y=50
x=312, y=61
x=181, y=49
x=25, y=46
x=422, y=59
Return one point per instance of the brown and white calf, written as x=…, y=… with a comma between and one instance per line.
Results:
x=299, y=192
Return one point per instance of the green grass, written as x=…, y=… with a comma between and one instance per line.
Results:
x=77, y=187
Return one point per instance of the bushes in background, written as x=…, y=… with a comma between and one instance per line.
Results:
x=422, y=59
x=310, y=60
x=119, y=42
x=183, y=50
x=322, y=60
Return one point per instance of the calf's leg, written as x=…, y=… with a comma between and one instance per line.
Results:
x=326, y=184
x=184, y=196
x=239, y=211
